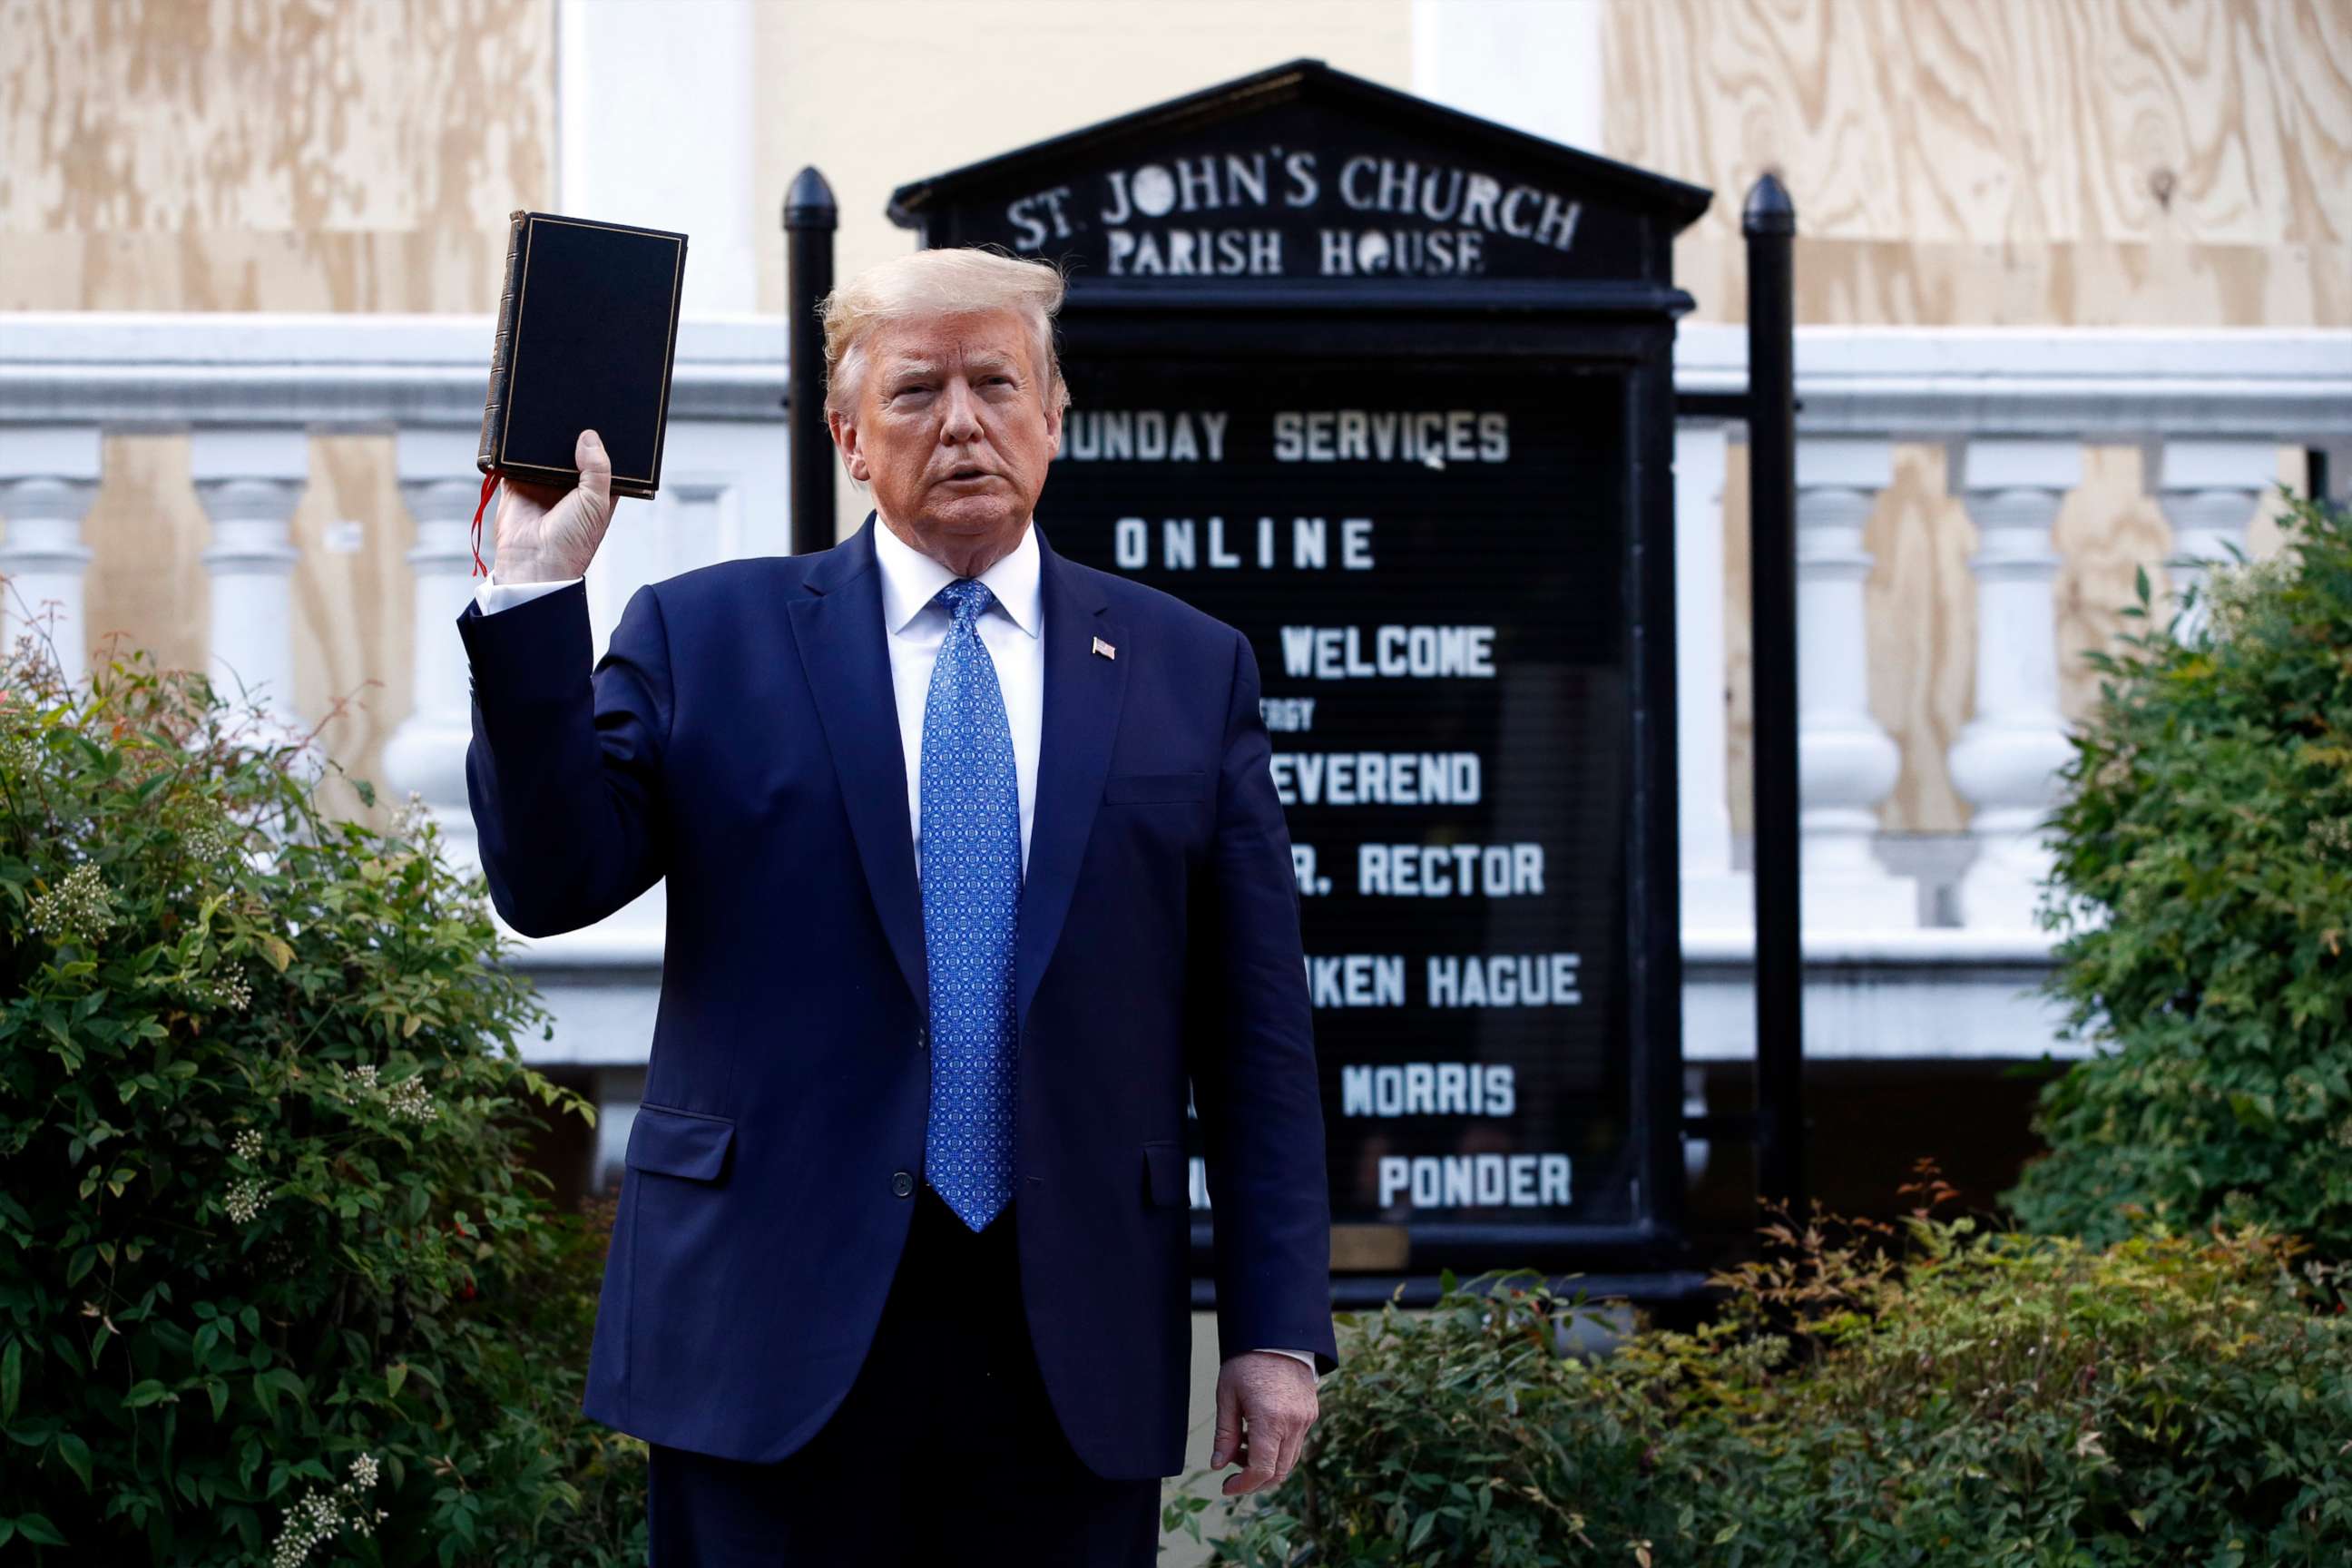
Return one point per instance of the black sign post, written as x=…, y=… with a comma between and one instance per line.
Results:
x=1390, y=388
x=810, y=218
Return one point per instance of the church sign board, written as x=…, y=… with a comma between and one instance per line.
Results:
x=1390, y=388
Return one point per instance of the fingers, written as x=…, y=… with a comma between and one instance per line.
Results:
x=1228, y=1438
x=1264, y=1468
x=1294, y=1442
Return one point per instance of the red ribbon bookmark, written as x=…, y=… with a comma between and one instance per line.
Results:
x=490, y=482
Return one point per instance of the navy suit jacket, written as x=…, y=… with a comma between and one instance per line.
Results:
x=739, y=737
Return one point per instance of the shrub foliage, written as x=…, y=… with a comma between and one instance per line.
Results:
x=2203, y=889
x=275, y=1282
x=1985, y=1400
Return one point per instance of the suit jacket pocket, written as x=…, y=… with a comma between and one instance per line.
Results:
x=684, y=1143
x=1163, y=1174
x=1142, y=789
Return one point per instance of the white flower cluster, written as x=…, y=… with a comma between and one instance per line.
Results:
x=408, y=1100
x=205, y=842
x=246, y=1145
x=230, y=988
x=2333, y=833
x=2233, y=592
x=245, y=1199
x=76, y=907
x=409, y=818
x=22, y=754
x=320, y=1517
x=411, y=1101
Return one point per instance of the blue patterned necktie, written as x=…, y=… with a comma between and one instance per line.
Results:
x=972, y=894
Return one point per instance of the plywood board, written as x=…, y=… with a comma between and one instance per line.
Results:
x=1973, y=161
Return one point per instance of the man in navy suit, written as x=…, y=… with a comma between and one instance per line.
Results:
x=975, y=866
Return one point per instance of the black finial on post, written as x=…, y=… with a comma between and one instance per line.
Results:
x=1769, y=209
x=1768, y=221
x=811, y=216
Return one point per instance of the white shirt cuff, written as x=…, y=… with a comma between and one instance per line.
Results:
x=1302, y=1355
x=494, y=595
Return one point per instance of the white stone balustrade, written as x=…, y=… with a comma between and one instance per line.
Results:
x=2211, y=409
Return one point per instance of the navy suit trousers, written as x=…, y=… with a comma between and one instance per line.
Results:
x=946, y=1449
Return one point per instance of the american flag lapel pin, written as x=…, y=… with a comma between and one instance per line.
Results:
x=1105, y=648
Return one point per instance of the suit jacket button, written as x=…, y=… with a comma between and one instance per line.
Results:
x=901, y=1184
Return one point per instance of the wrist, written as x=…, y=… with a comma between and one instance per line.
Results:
x=522, y=568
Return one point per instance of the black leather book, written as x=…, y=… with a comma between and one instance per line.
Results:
x=587, y=336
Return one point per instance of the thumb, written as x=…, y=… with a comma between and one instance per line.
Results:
x=595, y=466
x=1229, y=1424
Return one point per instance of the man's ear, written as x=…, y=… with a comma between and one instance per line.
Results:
x=844, y=438
x=1054, y=419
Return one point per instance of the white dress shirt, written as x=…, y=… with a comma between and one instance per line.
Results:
x=1012, y=629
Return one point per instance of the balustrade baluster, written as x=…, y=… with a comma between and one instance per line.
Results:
x=427, y=752
x=2209, y=490
x=249, y=479
x=49, y=476
x=1847, y=763
x=1714, y=897
x=2006, y=761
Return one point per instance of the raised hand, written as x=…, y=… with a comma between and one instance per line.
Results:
x=546, y=532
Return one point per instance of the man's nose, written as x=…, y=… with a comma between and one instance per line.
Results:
x=959, y=419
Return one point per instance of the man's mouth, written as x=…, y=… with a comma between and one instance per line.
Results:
x=969, y=473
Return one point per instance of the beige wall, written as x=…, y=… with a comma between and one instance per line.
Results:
x=1953, y=162
x=1063, y=64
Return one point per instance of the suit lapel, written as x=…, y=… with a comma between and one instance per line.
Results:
x=1083, y=692
x=837, y=623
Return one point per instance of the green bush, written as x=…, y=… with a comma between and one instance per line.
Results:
x=275, y=1284
x=2001, y=1400
x=2203, y=887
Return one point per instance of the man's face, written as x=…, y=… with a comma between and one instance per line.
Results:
x=953, y=430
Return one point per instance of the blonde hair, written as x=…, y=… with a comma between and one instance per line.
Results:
x=938, y=282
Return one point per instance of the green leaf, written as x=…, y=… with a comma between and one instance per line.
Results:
x=146, y=1392
x=76, y=1453
x=37, y=1529
x=12, y=1379
x=394, y=1376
